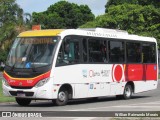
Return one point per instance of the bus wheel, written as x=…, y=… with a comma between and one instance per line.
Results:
x=127, y=92
x=62, y=97
x=23, y=101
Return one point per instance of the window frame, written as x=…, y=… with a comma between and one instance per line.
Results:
x=62, y=45
x=99, y=39
x=140, y=42
x=150, y=43
x=124, y=41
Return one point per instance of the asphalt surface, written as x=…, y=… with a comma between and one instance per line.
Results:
x=143, y=102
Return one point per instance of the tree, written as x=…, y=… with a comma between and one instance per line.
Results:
x=11, y=22
x=63, y=15
x=134, y=18
x=145, y=19
x=155, y=3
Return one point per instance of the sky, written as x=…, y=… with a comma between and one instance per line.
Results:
x=29, y=6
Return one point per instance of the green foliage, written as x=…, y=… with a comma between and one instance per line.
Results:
x=155, y=3
x=3, y=55
x=8, y=18
x=11, y=23
x=134, y=18
x=63, y=15
x=91, y=24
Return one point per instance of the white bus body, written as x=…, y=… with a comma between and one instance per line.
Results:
x=74, y=74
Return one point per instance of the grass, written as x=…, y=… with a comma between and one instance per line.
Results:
x=2, y=97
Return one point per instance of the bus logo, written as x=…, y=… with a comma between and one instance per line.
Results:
x=20, y=84
x=118, y=73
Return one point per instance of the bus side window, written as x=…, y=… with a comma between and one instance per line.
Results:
x=97, y=50
x=69, y=52
x=133, y=52
x=149, y=53
x=116, y=51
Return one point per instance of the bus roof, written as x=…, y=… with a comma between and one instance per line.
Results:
x=93, y=32
x=38, y=33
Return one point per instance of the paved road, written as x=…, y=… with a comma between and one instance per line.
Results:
x=147, y=101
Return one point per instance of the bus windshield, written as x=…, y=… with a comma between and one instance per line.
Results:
x=31, y=52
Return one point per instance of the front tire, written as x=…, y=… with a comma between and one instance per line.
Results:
x=62, y=97
x=23, y=101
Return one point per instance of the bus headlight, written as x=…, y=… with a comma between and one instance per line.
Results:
x=42, y=82
x=5, y=82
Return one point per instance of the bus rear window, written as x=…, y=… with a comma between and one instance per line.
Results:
x=148, y=53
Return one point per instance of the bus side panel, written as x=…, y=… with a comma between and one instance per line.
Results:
x=98, y=89
x=141, y=72
x=117, y=88
x=80, y=90
x=141, y=86
x=135, y=72
x=89, y=80
x=83, y=73
x=151, y=71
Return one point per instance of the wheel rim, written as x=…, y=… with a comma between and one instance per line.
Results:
x=127, y=92
x=62, y=96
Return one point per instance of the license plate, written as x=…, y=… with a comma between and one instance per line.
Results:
x=21, y=94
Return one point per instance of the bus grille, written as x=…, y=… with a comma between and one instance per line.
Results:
x=17, y=87
x=14, y=93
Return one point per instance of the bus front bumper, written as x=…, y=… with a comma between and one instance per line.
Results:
x=47, y=91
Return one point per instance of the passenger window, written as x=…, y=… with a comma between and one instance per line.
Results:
x=148, y=53
x=116, y=51
x=133, y=52
x=69, y=52
x=97, y=50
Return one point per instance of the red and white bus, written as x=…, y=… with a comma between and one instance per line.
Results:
x=61, y=65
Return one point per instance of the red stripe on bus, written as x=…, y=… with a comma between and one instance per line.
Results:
x=140, y=72
x=25, y=82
